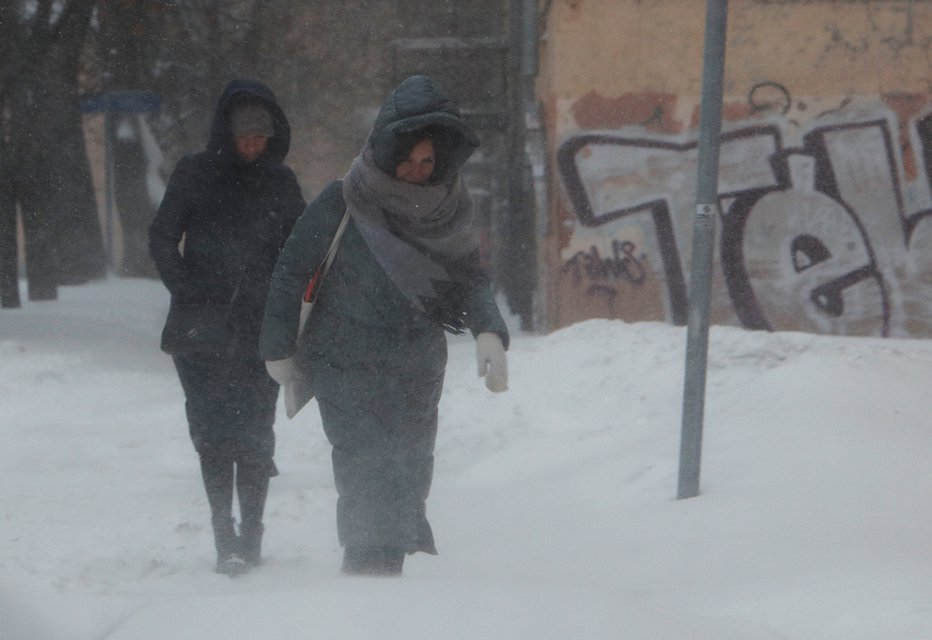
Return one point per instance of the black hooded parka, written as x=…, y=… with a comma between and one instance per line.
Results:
x=234, y=218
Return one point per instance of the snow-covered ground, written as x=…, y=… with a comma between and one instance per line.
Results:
x=553, y=504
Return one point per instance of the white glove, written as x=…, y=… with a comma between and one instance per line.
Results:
x=282, y=371
x=493, y=365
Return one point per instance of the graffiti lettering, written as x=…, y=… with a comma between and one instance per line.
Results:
x=622, y=265
x=814, y=237
x=770, y=96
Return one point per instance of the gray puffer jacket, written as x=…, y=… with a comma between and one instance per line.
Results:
x=375, y=361
x=356, y=290
x=360, y=317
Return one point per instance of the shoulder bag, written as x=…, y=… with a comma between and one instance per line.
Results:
x=299, y=390
x=313, y=285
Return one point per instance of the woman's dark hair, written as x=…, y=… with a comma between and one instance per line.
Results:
x=444, y=141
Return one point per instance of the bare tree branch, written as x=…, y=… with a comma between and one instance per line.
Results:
x=43, y=35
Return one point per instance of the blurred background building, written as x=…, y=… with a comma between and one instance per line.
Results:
x=588, y=115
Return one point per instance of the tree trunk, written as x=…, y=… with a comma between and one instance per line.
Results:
x=53, y=179
x=11, y=41
x=30, y=181
x=9, y=251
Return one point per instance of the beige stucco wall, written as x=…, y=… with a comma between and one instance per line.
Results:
x=823, y=175
x=818, y=46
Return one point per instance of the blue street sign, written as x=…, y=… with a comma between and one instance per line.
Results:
x=120, y=102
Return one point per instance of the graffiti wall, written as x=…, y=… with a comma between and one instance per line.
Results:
x=824, y=217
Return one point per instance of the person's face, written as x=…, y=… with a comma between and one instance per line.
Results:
x=250, y=147
x=419, y=165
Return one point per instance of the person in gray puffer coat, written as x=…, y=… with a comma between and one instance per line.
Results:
x=407, y=268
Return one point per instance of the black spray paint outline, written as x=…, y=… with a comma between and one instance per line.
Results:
x=743, y=298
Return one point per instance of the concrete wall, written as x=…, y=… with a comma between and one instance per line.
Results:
x=825, y=160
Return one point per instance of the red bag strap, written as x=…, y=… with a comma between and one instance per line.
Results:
x=313, y=285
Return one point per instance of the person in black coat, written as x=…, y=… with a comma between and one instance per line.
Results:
x=215, y=239
x=407, y=268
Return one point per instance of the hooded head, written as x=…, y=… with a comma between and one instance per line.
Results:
x=248, y=107
x=417, y=109
x=251, y=118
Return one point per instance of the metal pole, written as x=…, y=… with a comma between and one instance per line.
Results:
x=108, y=186
x=700, y=284
x=529, y=36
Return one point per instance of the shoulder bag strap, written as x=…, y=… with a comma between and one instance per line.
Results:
x=313, y=285
x=332, y=251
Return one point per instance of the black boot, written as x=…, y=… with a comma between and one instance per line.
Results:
x=229, y=561
x=372, y=561
x=250, y=543
x=393, y=560
x=217, y=472
x=252, y=485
